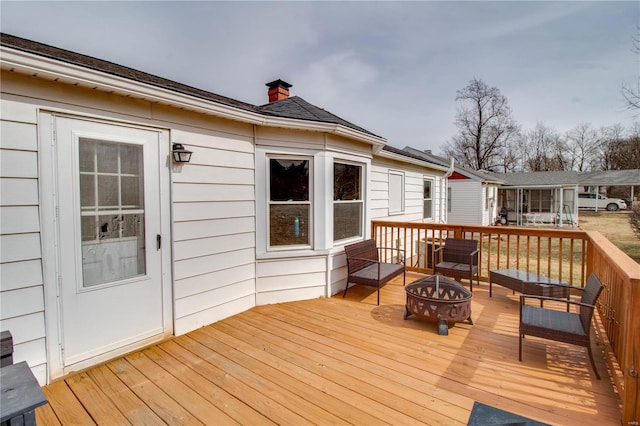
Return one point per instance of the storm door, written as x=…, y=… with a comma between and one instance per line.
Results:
x=110, y=243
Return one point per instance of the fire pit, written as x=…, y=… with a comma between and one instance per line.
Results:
x=438, y=299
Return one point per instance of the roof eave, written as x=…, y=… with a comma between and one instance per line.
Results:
x=36, y=65
x=415, y=161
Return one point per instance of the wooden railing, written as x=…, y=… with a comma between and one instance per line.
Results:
x=567, y=255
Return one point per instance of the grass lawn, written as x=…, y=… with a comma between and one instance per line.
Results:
x=616, y=227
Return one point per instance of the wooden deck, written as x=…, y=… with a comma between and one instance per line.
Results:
x=334, y=361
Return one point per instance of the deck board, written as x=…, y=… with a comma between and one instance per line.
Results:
x=342, y=361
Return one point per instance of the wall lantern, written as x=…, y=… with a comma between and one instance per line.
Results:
x=180, y=155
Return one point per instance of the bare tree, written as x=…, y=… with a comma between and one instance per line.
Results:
x=542, y=150
x=611, y=135
x=630, y=93
x=583, y=144
x=623, y=153
x=485, y=126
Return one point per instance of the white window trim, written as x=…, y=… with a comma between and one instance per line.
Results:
x=392, y=211
x=267, y=201
x=362, y=201
x=433, y=188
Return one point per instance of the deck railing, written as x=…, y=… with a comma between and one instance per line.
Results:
x=567, y=255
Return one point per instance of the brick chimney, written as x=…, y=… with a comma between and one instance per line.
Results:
x=278, y=90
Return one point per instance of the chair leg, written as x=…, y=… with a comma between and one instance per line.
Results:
x=378, y=295
x=520, y=336
x=593, y=364
x=345, y=290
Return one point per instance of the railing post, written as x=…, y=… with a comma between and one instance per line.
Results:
x=631, y=364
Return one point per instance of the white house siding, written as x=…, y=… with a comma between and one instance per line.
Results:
x=213, y=202
x=467, y=202
x=213, y=209
x=21, y=279
x=413, y=191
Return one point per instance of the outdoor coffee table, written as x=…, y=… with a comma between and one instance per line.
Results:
x=529, y=283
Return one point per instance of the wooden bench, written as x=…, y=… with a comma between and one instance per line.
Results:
x=365, y=267
x=457, y=258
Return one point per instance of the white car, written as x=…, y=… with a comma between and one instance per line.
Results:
x=589, y=201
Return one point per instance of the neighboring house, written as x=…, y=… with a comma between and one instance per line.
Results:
x=595, y=181
x=533, y=198
x=471, y=195
x=107, y=245
x=552, y=197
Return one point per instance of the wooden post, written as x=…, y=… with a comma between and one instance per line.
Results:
x=631, y=397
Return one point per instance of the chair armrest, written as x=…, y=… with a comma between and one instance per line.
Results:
x=395, y=248
x=554, y=299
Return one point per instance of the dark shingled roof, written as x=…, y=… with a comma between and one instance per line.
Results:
x=432, y=158
x=611, y=178
x=294, y=107
x=298, y=108
x=532, y=179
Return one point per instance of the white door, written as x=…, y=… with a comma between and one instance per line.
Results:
x=109, y=250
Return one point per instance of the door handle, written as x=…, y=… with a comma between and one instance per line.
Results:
x=158, y=242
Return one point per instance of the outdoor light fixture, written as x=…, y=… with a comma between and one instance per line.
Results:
x=180, y=155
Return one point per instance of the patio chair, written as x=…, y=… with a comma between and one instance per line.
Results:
x=458, y=258
x=365, y=268
x=561, y=326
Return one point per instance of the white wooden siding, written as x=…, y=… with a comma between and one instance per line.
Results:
x=21, y=280
x=285, y=280
x=466, y=202
x=214, y=227
x=413, y=191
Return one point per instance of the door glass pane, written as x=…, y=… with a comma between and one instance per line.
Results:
x=112, y=211
x=107, y=192
x=106, y=160
x=131, y=192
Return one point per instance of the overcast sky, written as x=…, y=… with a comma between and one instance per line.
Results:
x=390, y=67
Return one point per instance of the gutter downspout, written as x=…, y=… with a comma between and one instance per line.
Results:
x=445, y=180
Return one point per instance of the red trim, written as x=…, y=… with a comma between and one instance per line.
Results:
x=457, y=176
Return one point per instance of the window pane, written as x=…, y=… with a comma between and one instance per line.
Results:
x=427, y=189
x=107, y=191
x=427, y=208
x=130, y=158
x=289, y=180
x=346, y=182
x=87, y=191
x=289, y=224
x=132, y=192
x=107, y=157
x=89, y=231
x=347, y=220
x=87, y=151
